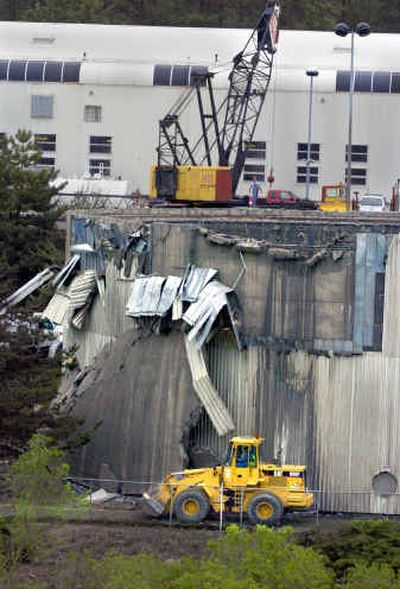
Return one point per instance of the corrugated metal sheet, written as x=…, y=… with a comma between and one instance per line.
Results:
x=267, y=393
x=391, y=332
x=212, y=402
x=194, y=281
x=152, y=296
x=106, y=321
x=65, y=272
x=371, y=252
x=169, y=294
x=57, y=308
x=145, y=297
x=283, y=302
x=202, y=314
x=28, y=288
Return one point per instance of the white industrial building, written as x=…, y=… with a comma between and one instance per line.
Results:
x=93, y=95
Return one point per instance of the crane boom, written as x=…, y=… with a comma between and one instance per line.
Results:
x=228, y=129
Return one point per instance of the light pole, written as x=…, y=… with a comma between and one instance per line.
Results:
x=311, y=74
x=342, y=30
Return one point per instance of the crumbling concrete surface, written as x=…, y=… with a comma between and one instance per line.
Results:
x=143, y=401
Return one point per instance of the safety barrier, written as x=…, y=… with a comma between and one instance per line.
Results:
x=114, y=493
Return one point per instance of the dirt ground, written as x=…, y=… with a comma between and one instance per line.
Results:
x=130, y=531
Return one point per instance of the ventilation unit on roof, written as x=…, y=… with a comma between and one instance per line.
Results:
x=43, y=40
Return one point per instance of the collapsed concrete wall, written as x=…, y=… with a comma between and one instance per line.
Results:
x=312, y=377
x=141, y=402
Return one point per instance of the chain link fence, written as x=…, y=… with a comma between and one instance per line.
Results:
x=128, y=494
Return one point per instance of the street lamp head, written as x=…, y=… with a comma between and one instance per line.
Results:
x=342, y=29
x=312, y=73
x=363, y=29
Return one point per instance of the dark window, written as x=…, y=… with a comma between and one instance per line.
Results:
x=180, y=75
x=195, y=72
x=250, y=177
x=162, y=75
x=46, y=162
x=302, y=151
x=252, y=171
x=16, y=73
x=381, y=82
x=342, y=81
x=71, y=71
x=254, y=168
x=52, y=72
x=102, y=167
x=359, y=153
x=255, y=149
x=34, y=71
x=45, y=142
x=255, y=145
x=362, y=82
x=3, y=69
x=395, y=83
x=302, y=174
x=358, y=176
x=100, y=144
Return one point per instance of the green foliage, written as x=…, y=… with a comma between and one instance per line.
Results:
x=29, y=243
x=37, y=486
x=38, y=478
x=383, y=15
x=372, y=577
x=260, y=559
x=372, y=542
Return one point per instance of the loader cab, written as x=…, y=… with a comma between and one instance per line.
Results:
x=241, y=465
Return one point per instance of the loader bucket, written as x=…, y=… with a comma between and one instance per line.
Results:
x=154, y=506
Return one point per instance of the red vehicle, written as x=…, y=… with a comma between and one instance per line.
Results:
x=286, y=199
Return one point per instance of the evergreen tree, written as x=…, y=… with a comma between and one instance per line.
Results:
x=27, y=216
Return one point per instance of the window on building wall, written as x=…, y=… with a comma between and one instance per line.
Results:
x=162, y=75
x=16, y=72
x=302, y=151
x=45, y=141
x=52, y=71
x=71, y=71
x=252, y=171
x=381, y=82
x=100, y=144
x=92, y=113
x=180, y=75
x=101, y=167
x=395, y=87
x=34, y=71
x=363, y=82
x=359, y=153
x=3, y=69
x=255, y=150
x=302, y=174
x=358, y=176
x=342, y=81
x=42, y=106
x=197, y=71
x=46, y=162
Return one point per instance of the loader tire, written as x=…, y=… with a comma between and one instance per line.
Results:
x=191, y=506
x=265, y=509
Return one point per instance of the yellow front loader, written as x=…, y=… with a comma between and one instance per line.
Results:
x=241, y=484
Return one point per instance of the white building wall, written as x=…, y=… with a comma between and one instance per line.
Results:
x=117, y=70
